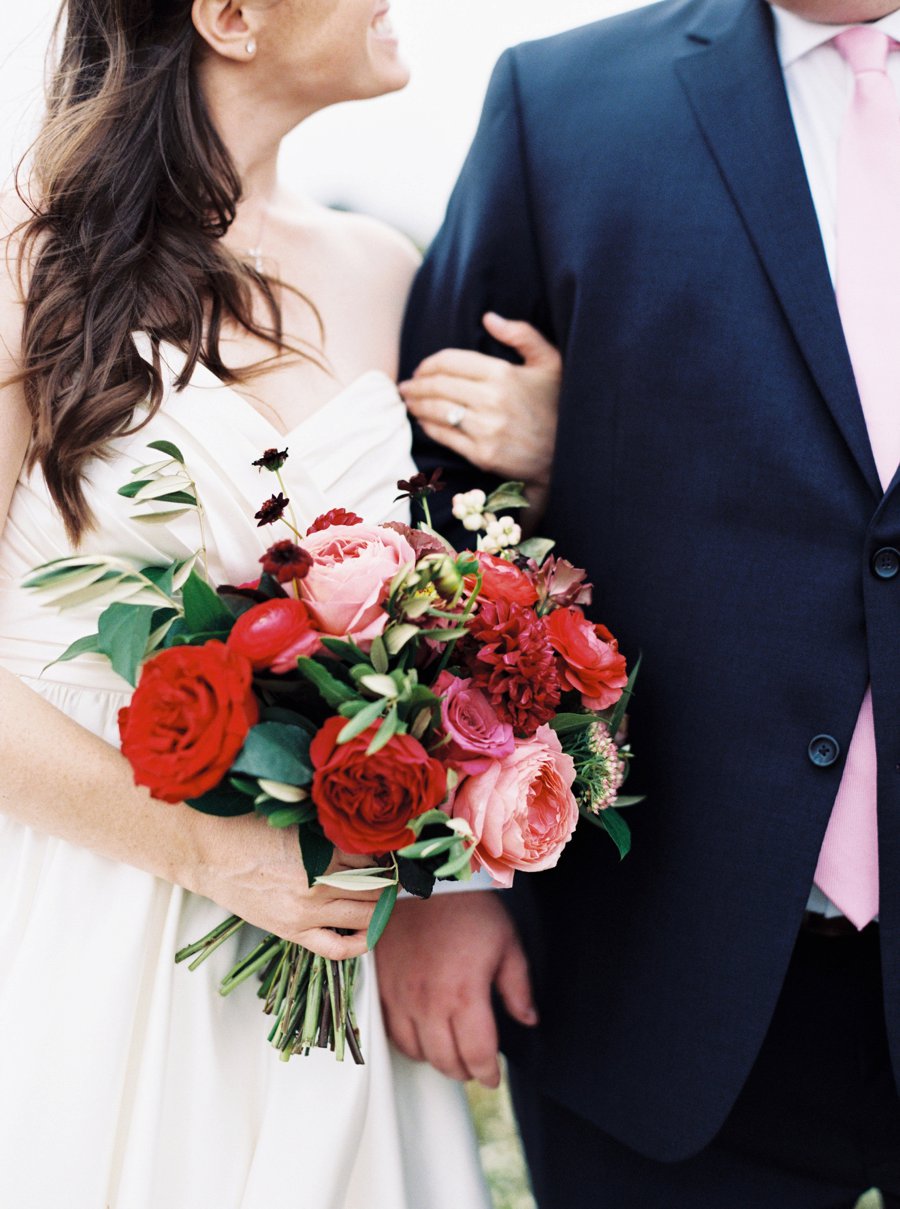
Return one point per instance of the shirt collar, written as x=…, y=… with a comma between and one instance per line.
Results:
x=796, y=36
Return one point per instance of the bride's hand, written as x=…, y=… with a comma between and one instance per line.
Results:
x=256, y=871
x=498, y=416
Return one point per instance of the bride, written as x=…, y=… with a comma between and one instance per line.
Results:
x=161, y=285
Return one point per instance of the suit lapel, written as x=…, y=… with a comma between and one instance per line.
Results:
x=736, y=89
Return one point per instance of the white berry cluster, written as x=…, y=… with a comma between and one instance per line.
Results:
x=469, y=508
x=500, y=533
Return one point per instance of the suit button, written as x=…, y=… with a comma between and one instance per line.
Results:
x=886, y=562
x=823, y=751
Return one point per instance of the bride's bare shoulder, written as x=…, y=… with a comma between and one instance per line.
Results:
x=357, y=242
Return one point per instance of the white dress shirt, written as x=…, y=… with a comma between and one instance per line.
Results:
x=819, y=86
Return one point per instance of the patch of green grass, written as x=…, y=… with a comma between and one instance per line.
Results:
x=501, y=1151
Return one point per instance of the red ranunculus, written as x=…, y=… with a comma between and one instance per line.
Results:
x=188, y=719
x=502, y=580
x=365, y=803
x=274, y=634
x=589, y=659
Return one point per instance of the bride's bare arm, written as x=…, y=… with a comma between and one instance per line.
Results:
x=59, y=778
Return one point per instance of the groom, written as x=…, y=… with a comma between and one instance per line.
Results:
x=672, y=197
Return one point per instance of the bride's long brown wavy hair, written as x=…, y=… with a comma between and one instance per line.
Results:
x=130, y=191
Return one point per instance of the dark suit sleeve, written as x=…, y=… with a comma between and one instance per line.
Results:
x=483, y=258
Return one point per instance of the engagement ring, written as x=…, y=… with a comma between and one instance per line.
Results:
x=456, y=415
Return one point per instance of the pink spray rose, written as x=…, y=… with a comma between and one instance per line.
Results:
x=351, y=571
x=521, y=809
x=477, y=735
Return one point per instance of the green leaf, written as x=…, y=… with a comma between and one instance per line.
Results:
x=537, y=548
x=163, y=577
x=124, y=631
x=89, y=645
x=622, y=803
x=564, y=724
x=223, y=801
x=282, y=816
x=457, y=863
x=507, y=495
x=276, y=752
x=333, y=691
x=348, y=651
x=615, y=827
x=130, y=490
x=386, y=732
x=168, y=449
x=280, y=713
x=244, y=785
x=160, y=518
x=379, y=655
x=203, y=610
x=381, y=915
x=362, y=721
x=617, y=717
x=316, y=850
x=397, y=636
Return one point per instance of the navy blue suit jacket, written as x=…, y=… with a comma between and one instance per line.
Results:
x=636, y=189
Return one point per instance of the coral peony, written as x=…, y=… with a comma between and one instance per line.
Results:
x=346, y=586
x=521, y=809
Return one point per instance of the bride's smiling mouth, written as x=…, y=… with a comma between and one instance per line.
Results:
x=383, y=26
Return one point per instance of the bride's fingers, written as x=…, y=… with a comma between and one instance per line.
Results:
x=332, y=945
x=349, y=913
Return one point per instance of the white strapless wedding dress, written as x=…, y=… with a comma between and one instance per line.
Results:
x=127, y=1082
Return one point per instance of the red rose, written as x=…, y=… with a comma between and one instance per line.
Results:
x=273, y=634
x=502, y=580
x=365, y=802
x=188, y=720
x=589, y=659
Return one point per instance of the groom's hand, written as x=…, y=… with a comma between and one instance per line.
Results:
x=437, y=963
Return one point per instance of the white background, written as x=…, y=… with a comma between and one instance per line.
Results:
x=396, y=157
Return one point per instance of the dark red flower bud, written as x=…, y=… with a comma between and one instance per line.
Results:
x=272, y=459
x=272, y=510
x=285, y=561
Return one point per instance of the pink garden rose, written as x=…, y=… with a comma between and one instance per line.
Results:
x=348, y=581
x=521, y=809
x=477, y=735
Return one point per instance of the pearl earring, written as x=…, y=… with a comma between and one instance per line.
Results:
x=251, y=47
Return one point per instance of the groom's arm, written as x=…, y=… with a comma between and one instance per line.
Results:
x=439, y=960
x=484, y=258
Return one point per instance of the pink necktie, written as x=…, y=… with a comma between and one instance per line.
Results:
x=868, y=294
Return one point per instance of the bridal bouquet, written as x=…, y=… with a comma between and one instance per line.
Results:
x=378, y=690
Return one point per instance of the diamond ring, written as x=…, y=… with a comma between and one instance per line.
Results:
x=455, y=415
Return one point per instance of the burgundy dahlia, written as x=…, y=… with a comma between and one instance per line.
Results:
x=285, y=561
x=514, y=664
